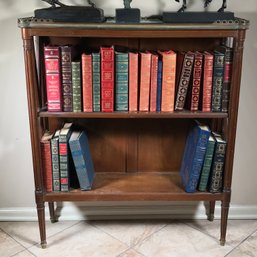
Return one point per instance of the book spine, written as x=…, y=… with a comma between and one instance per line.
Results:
x=145, y=76
x=87, y=82
x=168, y=81
x=206, y=166
x=153, y=85
x=76, y=86
x=159, y=87
x=184, y=81
x=218, y=73
x=207, y=83
x=121, y=85
x=197, y=73
x=227, y=79
x=133, y=82
x=96, y=82
x=66, y=54
x=64, y=163
x=216, y=176
x=55, y=164
x=53, y=78
x=107, y=78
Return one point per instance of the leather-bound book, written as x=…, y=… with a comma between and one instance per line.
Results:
x=76, y=86
x=96, y=69
x=153, y=83
x=133, y=82
x=55, y=161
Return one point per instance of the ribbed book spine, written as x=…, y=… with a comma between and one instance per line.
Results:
x=53, y=78
x=55, y=161
x=197, y=73
x=96, y=82
x=159, y=87
x=153, y=85
x=207, y=82
x=184, y=81
x=107, y=79
x=121, y=85
x=145, y=77
x=168, y=81
x=218, y=73
x=133, y=82
x=76, y=86
x=87, y=82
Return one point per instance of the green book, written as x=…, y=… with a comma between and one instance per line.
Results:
x=207, y=164
x=96, y=82
x=76, y=86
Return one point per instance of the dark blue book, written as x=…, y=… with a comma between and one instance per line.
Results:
x=82, y=160
x=159, y=87
x=193, y=158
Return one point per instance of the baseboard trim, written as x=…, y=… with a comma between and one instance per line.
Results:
x=111, y=211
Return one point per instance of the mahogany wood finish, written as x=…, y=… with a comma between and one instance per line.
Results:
x=136, y=155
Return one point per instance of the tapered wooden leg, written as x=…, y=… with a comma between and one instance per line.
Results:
x=211, y=211
x=41, y=221
x=224, y=221
x=52, y=212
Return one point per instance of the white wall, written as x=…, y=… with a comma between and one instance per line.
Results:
x=16, y=176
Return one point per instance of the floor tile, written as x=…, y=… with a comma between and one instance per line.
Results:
x=180, y=240
x=81, y=240
x=8, y=246
x=27, y=233
x=237, y=230
x=131, y=253
x=24, y=253
x=129, y=232
x=247, y=249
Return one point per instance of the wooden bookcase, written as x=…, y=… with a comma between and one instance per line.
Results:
x=136, y=155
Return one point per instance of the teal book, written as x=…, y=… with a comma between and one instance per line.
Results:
x=96, y=82
x=76, y=86
x=82, y=160
x=194, y=152
x=121, y=76
x=207, y=164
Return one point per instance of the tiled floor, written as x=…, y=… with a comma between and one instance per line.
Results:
x=148, y=238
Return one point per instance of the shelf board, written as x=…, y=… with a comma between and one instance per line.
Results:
x=134, y=115
x=141, y=186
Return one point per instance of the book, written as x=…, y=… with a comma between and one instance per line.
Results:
x=133, y=81
x=96, y=82
x=159, y=87
x=145, y=78
x=107, y=79
x=64, y=157
x=76, y=86
x=193, y=157
x=153, y=83
x=205, y=173
x=184, y=79
x=87, y=82
x=68, y=53
x=81, y=156
x=168, y=80
x=53, y=78
x=216, y=175
x=207, y=82
x=217, y=82
x=45, y=146
x=122, y=80
x=196, y=82
x=55, y=161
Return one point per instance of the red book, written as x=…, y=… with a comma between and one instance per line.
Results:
x=168, y=80
x=107, y=78
x=153, y=86
x=87, y=82
x=197, y=74
x=53, y=78
x=133, y=82
x=207, y=82
x=145, y=78
x=47, y=161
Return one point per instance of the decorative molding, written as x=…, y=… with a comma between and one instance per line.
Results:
x=129, y=211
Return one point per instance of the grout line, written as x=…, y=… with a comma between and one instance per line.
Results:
x=131, y=248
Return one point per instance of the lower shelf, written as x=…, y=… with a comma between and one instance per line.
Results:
x=143, y=186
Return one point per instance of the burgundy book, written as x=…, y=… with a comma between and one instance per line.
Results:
x=107, y=78
x=53, y=78
x=153, y=83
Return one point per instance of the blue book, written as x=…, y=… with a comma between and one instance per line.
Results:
x=159, y=87
x=82, y=160
x=193, y=158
